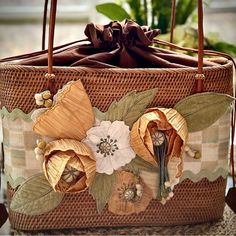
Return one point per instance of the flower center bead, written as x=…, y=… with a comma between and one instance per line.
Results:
x=70, y=174
x=107, y=146
x=158, y=138
x=129, y=194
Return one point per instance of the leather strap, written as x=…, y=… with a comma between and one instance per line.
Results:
x=233, y=127
x=45, y=11
x=53, y=11
x=50, y=76
x=172, y=21
x=199, y=76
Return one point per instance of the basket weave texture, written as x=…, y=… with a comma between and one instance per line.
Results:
x=192, y=203
x=19, y=84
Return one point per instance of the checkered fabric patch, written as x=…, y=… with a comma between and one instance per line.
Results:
x=213, y=144
x=19, y=142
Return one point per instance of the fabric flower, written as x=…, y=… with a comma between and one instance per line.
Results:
x=68, y=165
x=150, y=130
x=70, y=116
x=129, y=195
x=159, y=137
x=110, y=143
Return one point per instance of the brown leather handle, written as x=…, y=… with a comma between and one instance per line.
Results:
x=52, y=20
x=172, y=20
x=200, y=76
x=45, y=11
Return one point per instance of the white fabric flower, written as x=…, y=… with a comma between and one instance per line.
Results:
x=110, y=143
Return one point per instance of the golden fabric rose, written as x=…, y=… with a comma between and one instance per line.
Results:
x=68, y=165
x=170, y=123
x=129, y=195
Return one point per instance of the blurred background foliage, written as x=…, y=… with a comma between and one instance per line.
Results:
x=157, y=14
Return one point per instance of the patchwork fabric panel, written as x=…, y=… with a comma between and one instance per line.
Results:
x=213, y=145
x=19, y=142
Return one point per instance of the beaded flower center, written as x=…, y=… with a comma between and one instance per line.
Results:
x=107, y=146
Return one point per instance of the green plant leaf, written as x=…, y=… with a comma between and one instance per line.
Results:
x=113, y=11
x=129, y=108
x=184, y=9
x=138, y=164
x=203, y=109
x=225, y=47
x=101, y=189
x=35, y=197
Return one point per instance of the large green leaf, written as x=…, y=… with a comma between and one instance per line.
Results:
x=129, y=108
x=203, y=109
x=138, y=164
x=101, y=189
x=113, y=11
x=35, y=197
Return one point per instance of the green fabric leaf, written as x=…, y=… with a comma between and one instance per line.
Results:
x=138, y=164
x=203, y=109
x=14, y=183
x=35, y=197
x=129, y=108
x=113, y=11
x=101, y=189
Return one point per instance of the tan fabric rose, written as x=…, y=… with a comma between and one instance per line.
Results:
x=166, y=120
x=129, y=195
x=69, y=165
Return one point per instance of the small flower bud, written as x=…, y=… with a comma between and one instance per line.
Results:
x=39, y=102
x=163, y=201
x=139, y=187
x=46, y=94
x=167, y=184
x=186, y=148
x=41, y=144
x=48, y=103
x=38, y=151
x=39, y=157
x=139, y=193
x=38, y=96
x=191, y=153
x=197, y=155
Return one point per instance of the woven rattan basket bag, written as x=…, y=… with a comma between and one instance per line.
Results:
x=115, y=146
